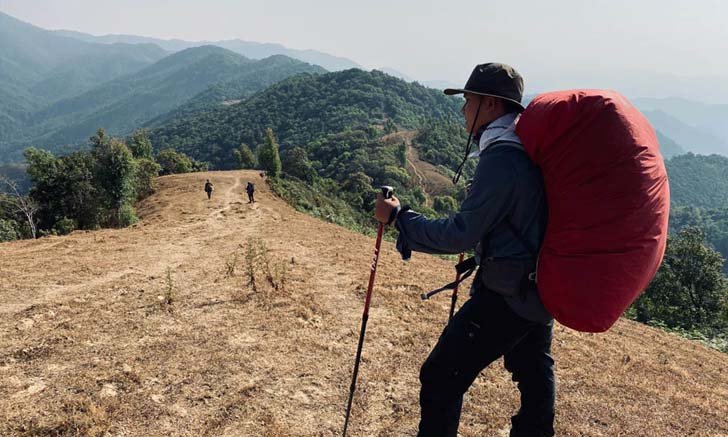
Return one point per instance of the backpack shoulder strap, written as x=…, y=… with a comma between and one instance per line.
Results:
x=506, y=143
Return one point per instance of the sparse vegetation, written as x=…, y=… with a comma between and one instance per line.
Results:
x=259, y=262
x=168, y=299
x=689, y=295
x=228, y=357
x=251, y=260
x=231, y=263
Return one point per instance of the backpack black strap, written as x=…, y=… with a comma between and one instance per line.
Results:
x=467, y=267
x=464, y=270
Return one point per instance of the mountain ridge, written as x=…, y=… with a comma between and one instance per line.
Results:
x=129, y=102
x=305, y=108
x=250, y=49
x=87, y=328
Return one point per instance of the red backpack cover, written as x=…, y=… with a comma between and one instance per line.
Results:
x=608, y=200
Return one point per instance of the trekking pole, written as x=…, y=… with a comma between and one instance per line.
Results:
x=387, y=193
x=454, y=297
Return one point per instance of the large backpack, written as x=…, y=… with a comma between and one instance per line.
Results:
x=608, y=200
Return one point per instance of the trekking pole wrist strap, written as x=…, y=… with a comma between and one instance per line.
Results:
x=464, y=269
x=396, y=212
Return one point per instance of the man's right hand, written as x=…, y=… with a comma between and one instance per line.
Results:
x=384, y=207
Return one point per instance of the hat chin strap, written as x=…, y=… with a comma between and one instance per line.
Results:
x=459, y=171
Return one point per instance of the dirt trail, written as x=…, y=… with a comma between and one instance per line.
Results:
x=427, y=176
x=87, y=346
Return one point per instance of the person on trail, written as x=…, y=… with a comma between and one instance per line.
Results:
x=250, y=189
x=504, y=218
x=208, y=189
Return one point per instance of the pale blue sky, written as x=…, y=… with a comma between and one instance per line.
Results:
x=599, y=43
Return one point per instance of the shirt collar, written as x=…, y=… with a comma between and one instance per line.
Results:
x=502, y=128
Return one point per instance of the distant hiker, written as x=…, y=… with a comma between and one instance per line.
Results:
x=250, y=189
x=208, y=189
x=503, y=217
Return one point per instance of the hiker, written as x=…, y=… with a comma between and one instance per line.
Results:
x=208, y=189
x=251, y=192
x=503, y=217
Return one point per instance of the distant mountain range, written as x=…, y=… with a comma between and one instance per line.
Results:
x=249, y=49
x=58, y=87
x=708, y=118
x=690, y=138
x=129, y=102
x=38, y=68
x=57, y=90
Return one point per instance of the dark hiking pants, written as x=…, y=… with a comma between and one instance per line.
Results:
x=250, y=197
x=209, y=194
x=484, y=330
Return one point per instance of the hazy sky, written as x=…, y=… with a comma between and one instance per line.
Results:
x=569, y=42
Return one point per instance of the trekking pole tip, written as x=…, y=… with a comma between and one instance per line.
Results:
x=424, y=296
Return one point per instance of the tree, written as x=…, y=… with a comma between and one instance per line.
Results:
x=690, y=290
x=64, y=187
x=402, y=154
x=295, y=163
x=445, y=205
x=358, y=190
x=173, y=162
x=244, y=157
x=8, y=230
x=146, y=172
x=99, y=138
x=114, y=173
x=20, y=204
x=268, y=156
x=140, y=145
x=389, y=127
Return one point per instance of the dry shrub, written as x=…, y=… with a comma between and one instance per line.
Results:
x=167, y=299
x=81, y=417
x=231, y=263
x=265, y=275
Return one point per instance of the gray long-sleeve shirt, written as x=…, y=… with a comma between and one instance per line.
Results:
x=507, y=187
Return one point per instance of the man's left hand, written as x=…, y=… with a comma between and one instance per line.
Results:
x=384, y=208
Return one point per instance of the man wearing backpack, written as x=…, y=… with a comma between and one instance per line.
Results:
x=208, y=189
x=504, y=218
x=250, y=189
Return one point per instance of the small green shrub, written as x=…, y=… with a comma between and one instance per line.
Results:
x=65, y=226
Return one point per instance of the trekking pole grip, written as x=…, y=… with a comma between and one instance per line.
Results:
x=387, y=191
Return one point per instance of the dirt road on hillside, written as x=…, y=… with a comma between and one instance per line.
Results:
x=157, y=330
x=426, y=176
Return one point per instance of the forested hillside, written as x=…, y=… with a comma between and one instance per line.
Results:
x=39, y=67
x=330, y=129
x=306, y=108
x=128, y=102
x=698, y=180
x=699, y=192
x=246, y=81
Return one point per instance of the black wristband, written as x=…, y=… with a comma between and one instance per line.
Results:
x=393, y=214
x=396, y=212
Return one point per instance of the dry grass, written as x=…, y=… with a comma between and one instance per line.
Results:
x=86, y=350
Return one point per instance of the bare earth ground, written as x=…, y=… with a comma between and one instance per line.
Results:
x=425, y=175
x=89, y=346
